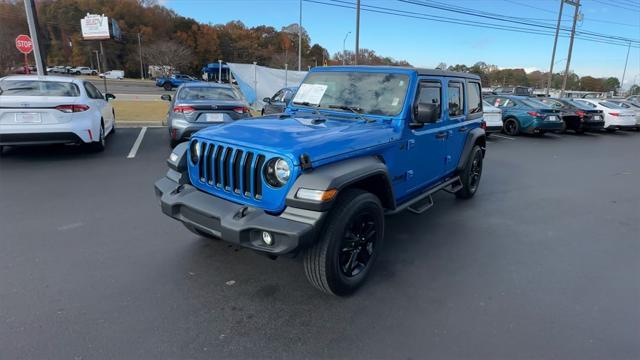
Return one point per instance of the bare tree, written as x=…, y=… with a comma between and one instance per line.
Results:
x=168, y=55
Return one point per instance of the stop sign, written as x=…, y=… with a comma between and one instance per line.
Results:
x=24, y=44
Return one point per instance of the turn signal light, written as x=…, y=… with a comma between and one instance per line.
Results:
x=183, y=109
x=72, y=108
x=316, y=195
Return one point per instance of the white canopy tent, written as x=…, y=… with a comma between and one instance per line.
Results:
x=257, y=82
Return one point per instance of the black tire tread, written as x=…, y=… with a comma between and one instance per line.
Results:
x=465, y=192
x=315, y=258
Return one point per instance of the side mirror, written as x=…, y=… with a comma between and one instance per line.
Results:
x=267, y=100
x=109, y=96
x=166, y=97
x=426, y=113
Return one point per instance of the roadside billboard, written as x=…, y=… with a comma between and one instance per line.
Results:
x=95, y=27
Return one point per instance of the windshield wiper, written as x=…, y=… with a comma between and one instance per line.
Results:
x=354, y=109
x=304, y=103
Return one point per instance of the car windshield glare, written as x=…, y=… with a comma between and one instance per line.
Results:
x=38, y=88
x=362, y=92
x=207, y=93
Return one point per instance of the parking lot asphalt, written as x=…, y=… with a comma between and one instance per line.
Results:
x=542, y=264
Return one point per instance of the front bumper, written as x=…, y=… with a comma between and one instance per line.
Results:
x=235, y=223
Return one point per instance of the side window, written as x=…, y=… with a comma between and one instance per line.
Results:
x=455, y=99
x=430, y=92
x=278, y=96
x=473, y=97
x=287, y=95
x=92, y=91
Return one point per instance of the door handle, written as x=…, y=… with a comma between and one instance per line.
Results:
x=462, y=129
x=441, y=135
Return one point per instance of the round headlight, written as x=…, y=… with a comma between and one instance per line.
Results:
x=277, y=172
x=194, y=151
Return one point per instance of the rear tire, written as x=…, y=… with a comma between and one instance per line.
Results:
x=99, y=145
x=346, y=250
x=471, y=174
x=167, y=86
x=511, y=127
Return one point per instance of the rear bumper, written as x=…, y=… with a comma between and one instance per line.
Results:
x=40, y=138
x=181, y=129
x=539, y=127
x=622, y=127
x=493, y=129
x=235, y=223
x=592, y=125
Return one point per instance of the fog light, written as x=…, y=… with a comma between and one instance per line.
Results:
x=266, y=237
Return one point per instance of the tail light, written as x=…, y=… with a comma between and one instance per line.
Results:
x=72, y=108
x=614, y=114
x=183, y=109
x=581, y=113
x=535, y=114
x=241, y=110
x=483, y=125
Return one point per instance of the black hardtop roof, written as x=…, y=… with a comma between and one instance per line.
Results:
x=420, y=71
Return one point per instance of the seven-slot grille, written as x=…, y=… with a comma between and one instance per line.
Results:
x=231, y=170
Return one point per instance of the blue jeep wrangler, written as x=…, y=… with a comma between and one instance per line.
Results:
x=354, y=145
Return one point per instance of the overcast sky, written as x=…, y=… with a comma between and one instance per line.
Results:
x=427, y=43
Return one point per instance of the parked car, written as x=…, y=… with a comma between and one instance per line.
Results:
x=630, y=105
x=53, y=109
x=25, y=70
x=492, y=118
x=83, y=70
x=113, y=74
x=355, y=144
x=576, y=116
x=173, y=81
x=634, y=99
x=279, y=101
x=513, y=90
x=198, y=105
x=615, y=116
x=526, y=115
x=57, y=70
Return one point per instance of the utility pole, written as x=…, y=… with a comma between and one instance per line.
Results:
x=140, y=54
x=576, y=4
x=34, y=31
x=625, y=66
x=104, y=67
x=97, y=60
x=357, y=31
x=553, y=54
x=300, y=39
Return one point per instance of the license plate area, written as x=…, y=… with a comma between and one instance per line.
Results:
x=214, y=117
x=551, y=118
x=28, y=118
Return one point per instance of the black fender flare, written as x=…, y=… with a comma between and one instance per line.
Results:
x=474, y=136
x=369, y=172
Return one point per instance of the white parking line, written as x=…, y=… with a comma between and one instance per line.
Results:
x=136, y=145
x=502, y=137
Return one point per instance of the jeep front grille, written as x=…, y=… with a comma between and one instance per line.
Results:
x=231, y=169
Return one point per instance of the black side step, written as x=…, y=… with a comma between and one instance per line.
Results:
x=424, y=201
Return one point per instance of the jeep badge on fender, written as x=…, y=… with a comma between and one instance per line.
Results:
x=355, y=144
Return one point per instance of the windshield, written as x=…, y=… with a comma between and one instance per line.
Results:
x=38, y=88
x=535, y=104
x=207, y=93
x=367, y=93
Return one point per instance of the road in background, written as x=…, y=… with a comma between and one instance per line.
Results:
x=542, y=263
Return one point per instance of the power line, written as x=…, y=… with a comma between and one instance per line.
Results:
x=618, y=6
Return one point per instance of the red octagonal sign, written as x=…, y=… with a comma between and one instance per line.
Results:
x=24, y=44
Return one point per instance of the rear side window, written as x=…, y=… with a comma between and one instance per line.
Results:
x=92, y=91
x=431, y=93
x=38, y=88
x=473, y=97
x=455, y=99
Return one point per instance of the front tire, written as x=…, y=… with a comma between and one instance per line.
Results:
x=511, y=127
x=471, y=174
x=347, y=247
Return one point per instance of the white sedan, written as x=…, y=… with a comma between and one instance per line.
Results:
x=492, y=117
x=53, y=110
x=615, y=116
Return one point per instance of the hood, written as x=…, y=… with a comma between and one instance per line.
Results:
x=318, y=136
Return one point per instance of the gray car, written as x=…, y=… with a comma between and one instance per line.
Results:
x=199, y=105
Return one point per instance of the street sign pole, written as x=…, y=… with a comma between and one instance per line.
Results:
x=33, y=30
x=104, y=67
